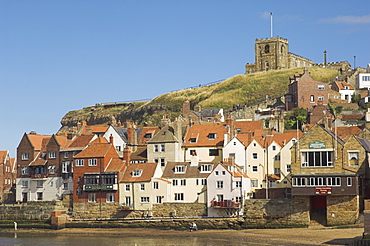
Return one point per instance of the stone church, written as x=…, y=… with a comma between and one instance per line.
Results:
x=273, y=53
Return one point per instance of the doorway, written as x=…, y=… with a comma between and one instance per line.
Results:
x=318, y=209
x=24, y=197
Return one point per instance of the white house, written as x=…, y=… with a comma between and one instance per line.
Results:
x=236, y=149
x=227, y=187
x=205, y=142
x=117, y=135
x=142, y=186
x=363, y=79
x=345, y=89
x=189, y=180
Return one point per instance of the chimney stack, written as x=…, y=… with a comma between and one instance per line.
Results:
x=127, y=155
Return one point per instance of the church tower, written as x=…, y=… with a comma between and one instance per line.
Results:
x=271, y=54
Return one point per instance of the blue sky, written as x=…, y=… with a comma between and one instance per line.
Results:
x=57, y=56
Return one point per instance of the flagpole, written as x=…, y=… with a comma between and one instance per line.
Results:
x=271, y=24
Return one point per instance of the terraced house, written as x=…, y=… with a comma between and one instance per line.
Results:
x=96, y=173
x=7, y=176
x=329, y=174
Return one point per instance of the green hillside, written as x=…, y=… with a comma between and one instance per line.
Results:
x=241, y=89
x=245, y=88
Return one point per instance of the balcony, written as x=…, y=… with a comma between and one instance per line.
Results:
x=225, y=204
x=40, y=176
x=94, y=187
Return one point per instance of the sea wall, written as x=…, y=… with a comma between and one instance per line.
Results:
x=277, y=212
x=32, y=211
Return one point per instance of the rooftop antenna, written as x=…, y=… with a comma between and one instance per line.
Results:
x=271, y=24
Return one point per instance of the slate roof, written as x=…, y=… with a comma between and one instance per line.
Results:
x=365, y=143
x=190, y=171
x=209, y=112
x=165, y=135
x=140, y=153
x=122, y=132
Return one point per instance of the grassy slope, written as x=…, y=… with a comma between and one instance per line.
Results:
x=246, y=88
x=240, y=89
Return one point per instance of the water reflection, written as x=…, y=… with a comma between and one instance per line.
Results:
x=72, y=240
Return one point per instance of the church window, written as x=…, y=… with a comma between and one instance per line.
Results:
x=267, y=48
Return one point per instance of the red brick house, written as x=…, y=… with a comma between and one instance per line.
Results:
x=7, y=175
x=96, y=173
x=305, y=92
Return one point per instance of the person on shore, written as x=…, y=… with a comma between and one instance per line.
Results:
x=195, y=227
x=191, y=227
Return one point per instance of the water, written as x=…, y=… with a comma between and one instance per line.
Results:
x=113, y=240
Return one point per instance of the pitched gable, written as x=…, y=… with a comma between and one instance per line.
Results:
x=165, y=135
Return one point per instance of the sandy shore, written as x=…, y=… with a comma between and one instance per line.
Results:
x=304, y=236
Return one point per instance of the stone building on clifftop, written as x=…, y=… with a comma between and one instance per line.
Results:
x=273, y=53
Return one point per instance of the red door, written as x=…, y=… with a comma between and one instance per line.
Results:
x=318, y=202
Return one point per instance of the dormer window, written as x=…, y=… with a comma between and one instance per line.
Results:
x=193, y=140
x=180, y=169
x=148, y=135
x=206, y=168
x=321, y=87
x=212, y=136
x=346, y=87
x=136, y=173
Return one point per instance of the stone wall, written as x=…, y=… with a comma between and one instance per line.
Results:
x=169, y=209
x=342, y=210
x=179, y=224
x=277, y=212
x=92, y=210
x=89, y=210
x=33, y=211
x=248, y=111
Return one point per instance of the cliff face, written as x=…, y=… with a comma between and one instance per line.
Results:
x=101, y=114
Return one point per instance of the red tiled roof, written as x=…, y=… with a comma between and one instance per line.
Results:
x=115, y=165
x=150, y=130
x=95, y=150
x=99, y=140
x=344, y=132
x=248, y=126
x=148, y=170
x=62, y=141
x=3, y=154
x=201, y=133
x=81, y=141
x=341, y=85
x=95, y=129
x=38, y=162
x=37, y=140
